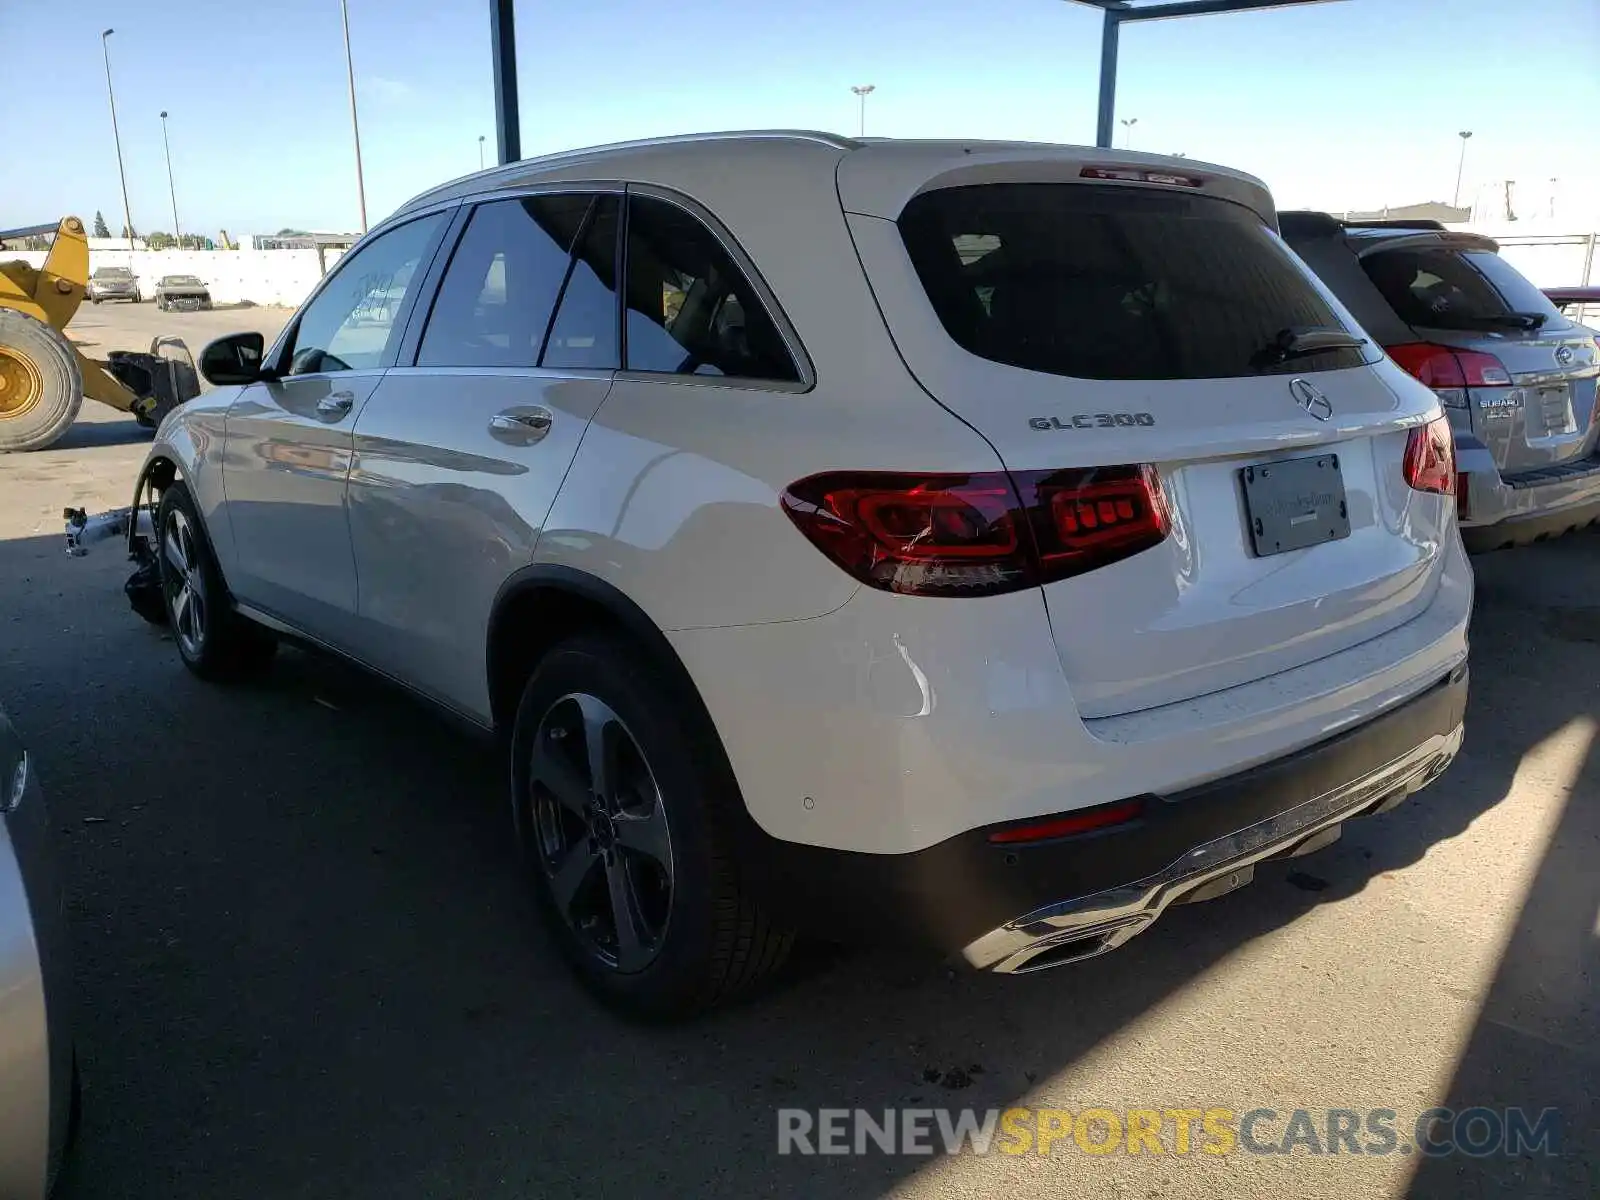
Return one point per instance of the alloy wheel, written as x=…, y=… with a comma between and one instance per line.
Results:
x=184, y=584
x=601, y=832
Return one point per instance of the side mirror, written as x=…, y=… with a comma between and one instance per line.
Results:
x=232, y=360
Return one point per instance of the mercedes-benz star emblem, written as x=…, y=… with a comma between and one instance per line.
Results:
x=1564, y=355
x=1310, y=399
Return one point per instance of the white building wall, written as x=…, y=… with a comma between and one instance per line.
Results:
x=283, y=277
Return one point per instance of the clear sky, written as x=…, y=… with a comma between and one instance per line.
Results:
x=1341, y=105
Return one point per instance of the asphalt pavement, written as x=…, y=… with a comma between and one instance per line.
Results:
x=308, y=965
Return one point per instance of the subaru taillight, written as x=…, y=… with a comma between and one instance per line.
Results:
x=1450, y=372
x=1430, y=461
x=978, y=535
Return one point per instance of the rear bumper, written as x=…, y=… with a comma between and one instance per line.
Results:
x=1012, y=908
x=1530, y=508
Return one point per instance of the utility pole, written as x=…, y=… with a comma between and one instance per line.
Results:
x=1461, y=164
x=355, y=125
x=480, y=152
x=171, y=188
x=863, y=91
x=127, y=213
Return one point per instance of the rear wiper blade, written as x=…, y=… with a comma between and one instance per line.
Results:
x=1301, y=340
x=1511, y=320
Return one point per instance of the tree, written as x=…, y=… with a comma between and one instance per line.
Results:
x=291, y=233
x=157, y=240
x=101, y=229
x=128, y=233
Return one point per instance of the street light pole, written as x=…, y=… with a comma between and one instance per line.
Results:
x=863, y=91
x=355, y=125
x=171, y=188
x=480, y=152
x=127, y=212
x=1461, y=164
x=1127, y=137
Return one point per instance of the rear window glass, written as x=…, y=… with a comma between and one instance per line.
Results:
x=1439, y=287
x=1103, y=282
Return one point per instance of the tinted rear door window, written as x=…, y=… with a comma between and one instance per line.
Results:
x=1104, y=282
x=501, y=286
x=584, y=332
x=1441, y=287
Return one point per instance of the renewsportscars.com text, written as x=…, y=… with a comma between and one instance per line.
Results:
x=1434, y=1132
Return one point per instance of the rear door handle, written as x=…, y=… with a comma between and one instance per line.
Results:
x=335, y=405
x=520, y=426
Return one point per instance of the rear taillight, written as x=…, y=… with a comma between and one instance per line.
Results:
x=1430, y=462
x=978, y=535
x=1450, y=372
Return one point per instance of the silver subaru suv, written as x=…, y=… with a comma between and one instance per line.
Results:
x=1516, y=377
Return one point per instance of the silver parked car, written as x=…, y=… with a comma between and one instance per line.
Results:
x=181, y=292
x=113, y=283
x=1516, y=376
x=37, y=1079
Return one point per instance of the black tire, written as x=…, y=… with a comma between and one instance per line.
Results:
x=714, y=942
x=40, y=359
x=214, y=641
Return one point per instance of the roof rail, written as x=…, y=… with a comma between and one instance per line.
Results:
x=1395, y=223
x=511, y=170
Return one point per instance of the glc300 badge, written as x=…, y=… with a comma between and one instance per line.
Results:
x=1092, y=421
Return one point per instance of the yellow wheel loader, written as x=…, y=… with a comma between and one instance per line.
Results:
x=44, y=377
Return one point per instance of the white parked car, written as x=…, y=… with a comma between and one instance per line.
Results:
x=978, y=545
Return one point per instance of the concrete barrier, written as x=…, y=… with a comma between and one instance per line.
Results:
x=283, y=277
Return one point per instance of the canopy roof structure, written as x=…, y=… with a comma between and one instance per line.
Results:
x=503, y=50
x=1120, y=12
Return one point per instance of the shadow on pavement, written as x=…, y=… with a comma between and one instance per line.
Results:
x=89, y=434
x=1535, y=1043
x=308, y=965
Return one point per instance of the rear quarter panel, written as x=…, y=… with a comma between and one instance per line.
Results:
x=674, y=495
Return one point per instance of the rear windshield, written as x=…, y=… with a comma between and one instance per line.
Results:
x=1105, y=282
x=1441, y=287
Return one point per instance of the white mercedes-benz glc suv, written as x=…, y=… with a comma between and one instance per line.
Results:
x=977, y=545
